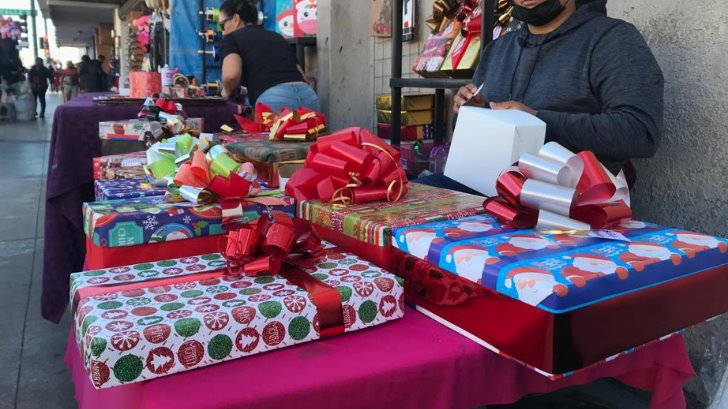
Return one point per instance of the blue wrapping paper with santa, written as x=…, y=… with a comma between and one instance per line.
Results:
x=560, y=272
x=563, y=301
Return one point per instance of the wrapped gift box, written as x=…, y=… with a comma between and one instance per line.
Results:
x=110, y=189
x=407, y=133
x=123, y=166
x=410, y=102
x=366, y=229
x=269, y=156
x=144, y=84
x=464, y=53
x=561, y=302
x=234, y=137
x=430, y=60
x=411, y=118
x=134, y=129
x=176, y=315
x=126, y=231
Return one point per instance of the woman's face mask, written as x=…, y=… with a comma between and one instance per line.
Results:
x=539, y=15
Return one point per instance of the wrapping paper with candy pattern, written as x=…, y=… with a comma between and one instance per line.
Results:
x=136, y=335
x=373, y=222
x=130, y=222
x=122, y=166
x=110, y=189
x=560, y=273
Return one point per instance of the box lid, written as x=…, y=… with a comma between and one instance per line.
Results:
x=560, y=273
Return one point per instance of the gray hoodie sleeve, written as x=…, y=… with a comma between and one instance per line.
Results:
x=627, y=79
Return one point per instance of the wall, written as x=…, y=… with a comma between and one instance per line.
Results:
x=353, y=66
x=686, y=183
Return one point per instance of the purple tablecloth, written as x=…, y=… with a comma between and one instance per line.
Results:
x=74, y=143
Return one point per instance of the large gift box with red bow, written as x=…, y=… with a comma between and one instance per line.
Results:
x=143, y=321
x=144, y=229
x=354, y=191
x=559, y=302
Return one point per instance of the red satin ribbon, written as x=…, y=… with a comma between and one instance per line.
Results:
x=469, y=31
x=263, y=248
x=166, y=105
x=349, y=166
x=592, y=206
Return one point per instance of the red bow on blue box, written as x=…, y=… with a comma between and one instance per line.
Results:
x=559, y=191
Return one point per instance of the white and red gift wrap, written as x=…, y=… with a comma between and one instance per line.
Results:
x=558, y=190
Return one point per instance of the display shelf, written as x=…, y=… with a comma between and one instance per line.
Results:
x=396, y=82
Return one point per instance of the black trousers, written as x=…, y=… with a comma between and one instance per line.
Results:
x=39, y=95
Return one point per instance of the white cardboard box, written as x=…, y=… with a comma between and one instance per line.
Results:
x=486, y=142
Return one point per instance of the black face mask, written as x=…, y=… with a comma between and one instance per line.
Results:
x=540, y=15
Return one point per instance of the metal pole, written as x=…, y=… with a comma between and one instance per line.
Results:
x=35, y=31
x=396, y=69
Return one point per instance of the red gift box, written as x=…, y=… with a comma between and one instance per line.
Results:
x=144, y=84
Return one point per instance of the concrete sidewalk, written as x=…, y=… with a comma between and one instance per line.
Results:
x=31, y=349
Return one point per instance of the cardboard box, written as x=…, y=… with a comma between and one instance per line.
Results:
x=486, y=142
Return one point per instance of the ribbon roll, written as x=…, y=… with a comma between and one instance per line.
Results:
x=559, y=191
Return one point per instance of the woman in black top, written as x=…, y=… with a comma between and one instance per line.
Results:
x=260, y=60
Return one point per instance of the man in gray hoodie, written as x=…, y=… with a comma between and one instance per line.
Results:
x=592, y=79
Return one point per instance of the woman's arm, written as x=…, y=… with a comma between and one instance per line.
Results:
x=232, y=72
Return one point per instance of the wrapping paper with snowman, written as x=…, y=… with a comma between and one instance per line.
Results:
x=138, y=322
x=654, y=280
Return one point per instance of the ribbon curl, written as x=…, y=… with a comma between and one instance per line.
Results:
x=264, y=247
x=299, y=125
x=349, y=166
x=559, y=191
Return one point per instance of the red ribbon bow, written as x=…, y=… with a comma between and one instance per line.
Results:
x=349, y=166
x=166, y=105
x=263, y=248
x=525, y=199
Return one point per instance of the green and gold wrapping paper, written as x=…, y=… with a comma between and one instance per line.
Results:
x=410, y=118
x=373, y=222
x=411, y=102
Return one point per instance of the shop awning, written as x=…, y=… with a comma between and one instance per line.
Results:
x=76, y=20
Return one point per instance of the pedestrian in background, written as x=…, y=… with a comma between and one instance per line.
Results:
x=39, y=77
x=70, y=82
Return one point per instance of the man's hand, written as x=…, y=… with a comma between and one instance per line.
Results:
x=466, y=95
x=513, y=105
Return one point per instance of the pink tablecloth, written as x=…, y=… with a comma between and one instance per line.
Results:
x=412, y=363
